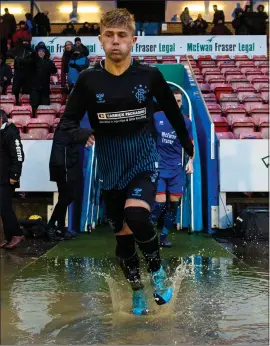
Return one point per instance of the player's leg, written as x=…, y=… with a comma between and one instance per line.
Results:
x=141, y=197
x=126, y=254
x=175, y=190
x=160, y=201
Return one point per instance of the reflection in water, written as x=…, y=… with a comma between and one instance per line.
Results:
x=86, y=301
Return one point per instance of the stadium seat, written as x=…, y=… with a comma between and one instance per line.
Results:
x=18, y=125
x=208, y=70
x=260, y=81
x=264, y=92
x=205, y=58
x=223, y=57
x=242, y=125
x=169, y=60
x=57, y=58
x=228, y=101
x=260, y=118
x=225, y=63
x=225, y=135
x=251, y=102
x=55, y=124
x=57, y=98
x=30, y=136
x=50, y=136
x=213, y=108
x=235, y=111
x=264, y=127
x=221, y=124
x=204, y=87
x=235, y=81
x=243, y=63
x=35, y=127
x=7, y=107
x=21, y=110
x=214, y=78
x=54, y=80
x=221, y=88
x=265, y=70
x=62, y=110
x=209, y=97
x=25, y=99
x=203, y=63
x=22, y=119
x=254, y=135
x=245, y=91
x=7, y=99
x=9, y=89
x=46, y=118
x=230, y=70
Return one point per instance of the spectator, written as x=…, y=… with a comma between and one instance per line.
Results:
x=10, y=22
x=5, y=74
x=3, y=36
x=96, y=30
x=78, y=43
x=69, y=30
x=21, y=32
x=23, y=61
x=31, y=24
x=239, y=23
x=185, y=20
x=65, y=61
x=262, y=18
x=200, y=25
x=237, y=8
x=42, y=44
x=77, y=64
x=43, y=69
x=43, y=22
x=218, y=15
x=220, y=29
x=86, y=30
x=12, y=157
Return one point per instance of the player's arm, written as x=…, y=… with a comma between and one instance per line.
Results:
x=77, y=105
x=163, y=94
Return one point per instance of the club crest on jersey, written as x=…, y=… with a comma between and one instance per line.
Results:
x=140, y=92
x=100, y=98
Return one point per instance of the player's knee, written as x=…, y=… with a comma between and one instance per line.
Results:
x=174, y=198
x=139, y=221
x=116, y=225
x=161, y=198
x=125, y=246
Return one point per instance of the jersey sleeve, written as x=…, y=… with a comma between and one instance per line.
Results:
x=77, y=105
x=165, y=98
x=189, y=128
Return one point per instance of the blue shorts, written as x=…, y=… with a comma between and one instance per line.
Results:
x=173, y=184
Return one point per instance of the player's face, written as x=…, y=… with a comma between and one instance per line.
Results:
x=178, y=98
x=117, y=42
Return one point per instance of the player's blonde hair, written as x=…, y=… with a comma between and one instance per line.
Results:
x=118, y=17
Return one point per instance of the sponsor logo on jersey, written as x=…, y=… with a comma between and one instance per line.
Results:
x=137, y=192
x=100, y=98
x=122, y=116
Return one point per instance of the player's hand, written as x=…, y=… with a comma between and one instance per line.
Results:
x=189, y=167
x=12, y=181
x=90, y=141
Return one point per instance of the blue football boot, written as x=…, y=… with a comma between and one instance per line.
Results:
x=162, y=292
x=139, y=303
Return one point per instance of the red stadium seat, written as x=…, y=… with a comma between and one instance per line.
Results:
x=246, y=69
x=221, y=124
x=235, y=81
x=223, y=57
x=245, y=91
x=62, y=110
x=225, y=63
x=55, y=124
x=230, y=69
x=264, y=92
x=22, y=119
x=46, y=118
x=9, y=89
x=260, y=81
x=204, y=87
x=7, y=107
x=50, y=136
x=254, y=135
x=214, y=78
x=205, y=58
x=37, y=128
x=202, y=64
x=209, y=97
x=235, y=111
x=57, y=98
x=225, y=135
x=18, y=125
x=25, y=99
x=228, y=101
x=169, y=60
x=21, y=110
x=7, y=99
x=241, y=57
x=196, y=70
x=221, y=88
x=242, y=125
x=251, y=102
x=213, y=108
x=265, y=70
x=265, y=132
x=57, y=58
x=264, y=126
x=30, y=136
x=208, y=70
x=241, y=63
x=260, y=118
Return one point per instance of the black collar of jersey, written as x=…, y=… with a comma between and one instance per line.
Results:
x=101, y=65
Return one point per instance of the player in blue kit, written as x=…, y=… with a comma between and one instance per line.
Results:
x=172, y=173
